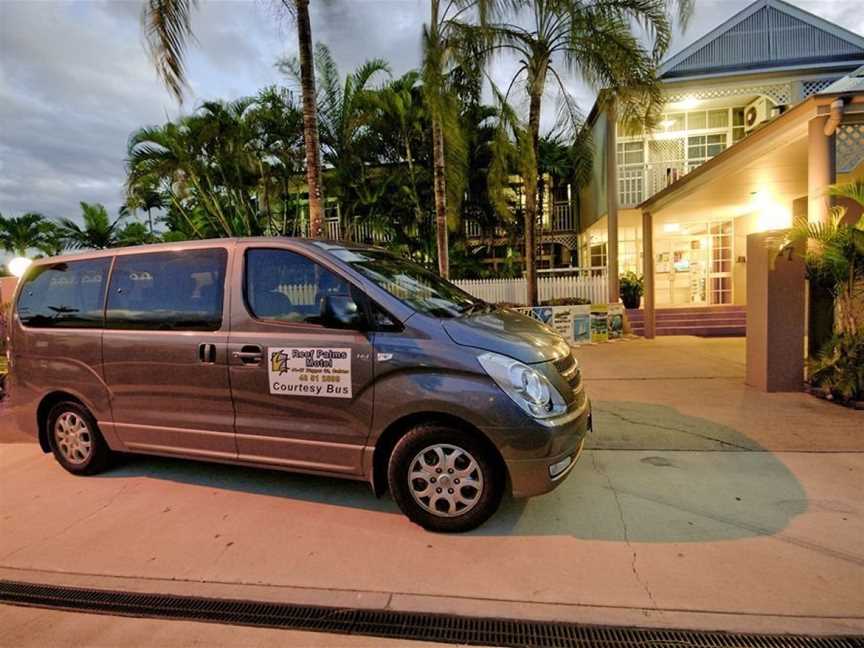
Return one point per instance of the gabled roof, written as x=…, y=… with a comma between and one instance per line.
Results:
x=768, y=34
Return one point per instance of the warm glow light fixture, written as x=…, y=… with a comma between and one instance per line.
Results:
x=671, y=227
x=18, y=266
x=770, y=214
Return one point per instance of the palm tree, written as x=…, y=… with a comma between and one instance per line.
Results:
x=440, y=48
x=99, y=232
x=345, y=109
x=146, y=198
x=593, y=38
x=30, y=231
x=168, y=28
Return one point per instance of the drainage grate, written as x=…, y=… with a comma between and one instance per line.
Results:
x=393, y=625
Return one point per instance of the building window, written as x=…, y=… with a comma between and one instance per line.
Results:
x=597, y=254
x=631, y=161
x=738, y=131
x=701, y=148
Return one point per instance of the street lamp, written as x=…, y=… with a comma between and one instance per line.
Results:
x=18, y=266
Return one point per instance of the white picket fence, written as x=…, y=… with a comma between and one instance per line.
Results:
x=592, y=287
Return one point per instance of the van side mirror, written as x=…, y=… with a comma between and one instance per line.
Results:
x=341, y=311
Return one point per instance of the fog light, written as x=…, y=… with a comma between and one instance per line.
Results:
x=557, y=468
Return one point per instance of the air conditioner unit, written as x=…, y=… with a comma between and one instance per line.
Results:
x=757, y=113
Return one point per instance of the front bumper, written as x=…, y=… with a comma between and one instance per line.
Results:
x=531, y=477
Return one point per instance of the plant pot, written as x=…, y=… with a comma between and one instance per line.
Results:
x=631, y=301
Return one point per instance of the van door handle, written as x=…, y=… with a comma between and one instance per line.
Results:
x=249, y=354
x=207, y=353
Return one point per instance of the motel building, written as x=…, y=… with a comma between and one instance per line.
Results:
x=761, y=114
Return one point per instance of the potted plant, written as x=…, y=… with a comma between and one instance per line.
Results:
x=631, y=288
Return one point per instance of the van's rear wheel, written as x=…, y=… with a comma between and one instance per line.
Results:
x=75, y=439
x=444, y=479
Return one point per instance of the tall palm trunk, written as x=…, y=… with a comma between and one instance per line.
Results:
x=530, y=183
x=310, y=120
x=440, y=184
x=434, y=73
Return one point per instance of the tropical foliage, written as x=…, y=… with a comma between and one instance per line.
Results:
x=834, y=258
x=839, y=367
x=30, y=231
x=168, y=28
x=597, y=39
x=404, y=159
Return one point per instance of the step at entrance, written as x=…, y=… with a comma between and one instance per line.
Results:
x=706, y=321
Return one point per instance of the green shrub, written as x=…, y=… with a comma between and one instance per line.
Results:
x=839, y=367
x=566, y=301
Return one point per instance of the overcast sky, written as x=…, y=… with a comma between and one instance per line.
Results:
x=75, y=79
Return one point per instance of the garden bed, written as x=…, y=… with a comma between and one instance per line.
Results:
x=824, y=394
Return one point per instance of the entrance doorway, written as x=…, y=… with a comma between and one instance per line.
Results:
x=693, y=264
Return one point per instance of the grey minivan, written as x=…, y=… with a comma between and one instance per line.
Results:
x=310, y=356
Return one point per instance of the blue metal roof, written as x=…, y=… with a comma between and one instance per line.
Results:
x=768, y=34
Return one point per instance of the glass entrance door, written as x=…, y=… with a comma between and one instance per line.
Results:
x=693, y=264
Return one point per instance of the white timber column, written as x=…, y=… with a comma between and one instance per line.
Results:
x=612, y=204
x=821, y=169
x=648, y=273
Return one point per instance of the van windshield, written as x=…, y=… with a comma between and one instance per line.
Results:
x=411, y=283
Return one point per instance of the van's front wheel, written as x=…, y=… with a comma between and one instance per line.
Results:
x=75, y=439
x=444, y=480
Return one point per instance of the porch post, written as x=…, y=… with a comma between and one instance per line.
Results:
x=821, y=169
x=612, y=205
x=648, y=272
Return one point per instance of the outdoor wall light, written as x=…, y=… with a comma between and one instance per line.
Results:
x=770, y=214
x=18, y=266
x=671, y=227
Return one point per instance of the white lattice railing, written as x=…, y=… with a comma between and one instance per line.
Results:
x=636, y=184
x=592, y=287
x=850, y=147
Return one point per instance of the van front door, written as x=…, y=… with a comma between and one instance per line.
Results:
x=302, y=384
x=165, y=353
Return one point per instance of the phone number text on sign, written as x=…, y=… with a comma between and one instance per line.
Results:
x=309, y=371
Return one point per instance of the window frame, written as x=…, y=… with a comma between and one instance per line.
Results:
x=33, y=268
x=224, y=287
x=365, y=304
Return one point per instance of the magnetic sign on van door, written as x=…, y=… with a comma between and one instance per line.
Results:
x=309, y=371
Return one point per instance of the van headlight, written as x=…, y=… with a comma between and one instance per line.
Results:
x=527, y=387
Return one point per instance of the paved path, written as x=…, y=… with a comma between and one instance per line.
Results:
x=701, y=503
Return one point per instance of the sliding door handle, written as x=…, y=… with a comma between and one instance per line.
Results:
x=249, y=354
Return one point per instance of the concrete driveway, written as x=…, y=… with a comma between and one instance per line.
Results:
x=701, y=504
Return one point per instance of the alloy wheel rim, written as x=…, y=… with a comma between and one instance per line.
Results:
x=74, y=437
x=445, y=480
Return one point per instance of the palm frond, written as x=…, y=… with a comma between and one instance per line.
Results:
x=851, y=190
x=167, y=29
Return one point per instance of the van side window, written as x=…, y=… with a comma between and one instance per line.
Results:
x=288, y=287
x=65, y=295
x=168, y=291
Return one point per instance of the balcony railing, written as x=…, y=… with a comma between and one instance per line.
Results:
x=562, y=219
x=637, y=183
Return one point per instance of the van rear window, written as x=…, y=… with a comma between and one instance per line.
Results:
x=64, y=295
x=173, y=291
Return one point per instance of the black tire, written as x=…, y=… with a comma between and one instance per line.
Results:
x=486, y=500
x=99, y=455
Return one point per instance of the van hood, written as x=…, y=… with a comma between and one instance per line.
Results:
x=508, y=333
